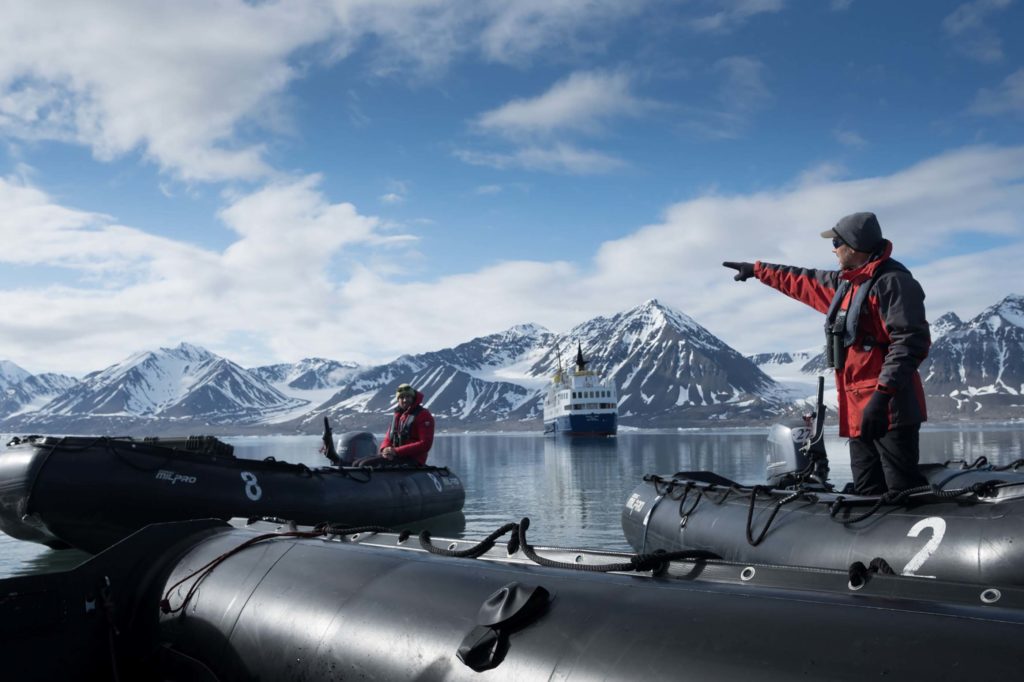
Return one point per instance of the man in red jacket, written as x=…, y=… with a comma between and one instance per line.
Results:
x=410, y=435
x=877, y=336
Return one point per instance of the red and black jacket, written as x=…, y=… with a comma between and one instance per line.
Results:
x=411, y=432
x=891, y=339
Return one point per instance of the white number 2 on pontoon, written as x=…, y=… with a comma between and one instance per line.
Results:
x=938, y=527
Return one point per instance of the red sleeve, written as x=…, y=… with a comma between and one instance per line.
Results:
x=813, y=287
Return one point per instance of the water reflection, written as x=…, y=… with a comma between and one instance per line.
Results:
x=24, y=558
x=999, y=445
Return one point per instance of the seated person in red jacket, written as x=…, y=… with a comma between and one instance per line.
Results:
x=411, y=434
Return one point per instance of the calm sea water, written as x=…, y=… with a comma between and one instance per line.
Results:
x=572, y=490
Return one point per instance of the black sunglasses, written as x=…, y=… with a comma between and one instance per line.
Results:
x=837, y=241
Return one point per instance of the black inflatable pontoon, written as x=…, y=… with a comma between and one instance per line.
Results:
x=91, y=492
x=201, y=601
x=967, y=524
x=970, y=527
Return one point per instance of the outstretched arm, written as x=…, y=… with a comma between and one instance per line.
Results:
x=811, y=287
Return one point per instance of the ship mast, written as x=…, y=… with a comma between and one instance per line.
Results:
x=581, y=364
x=558, y=359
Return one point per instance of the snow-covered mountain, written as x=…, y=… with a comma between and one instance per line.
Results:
x=974, y=369
x=945, y=324
x=309, y=374
x=798, y=372
x=978, y=366
x=11, y=374
x=670, y=372
x=473, y=385
x=21, y=391
x=310, y=382
x=185, y=384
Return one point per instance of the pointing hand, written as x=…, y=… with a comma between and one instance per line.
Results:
x=745, y=270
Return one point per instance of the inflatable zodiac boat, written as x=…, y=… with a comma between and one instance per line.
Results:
x=967, y=524
x=88, y=493
x=205, y=601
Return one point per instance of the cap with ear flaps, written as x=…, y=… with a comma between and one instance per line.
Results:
x=405, y=389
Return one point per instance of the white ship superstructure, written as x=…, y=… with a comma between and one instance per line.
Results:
x=580, y=402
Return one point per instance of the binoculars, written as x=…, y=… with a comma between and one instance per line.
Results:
x=835, y=342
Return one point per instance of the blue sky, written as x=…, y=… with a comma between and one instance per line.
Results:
x=361, y=179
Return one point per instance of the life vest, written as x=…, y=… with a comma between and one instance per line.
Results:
x=841, y=325
x=400, y=429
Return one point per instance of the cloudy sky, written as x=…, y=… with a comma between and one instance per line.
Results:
x=357, y=179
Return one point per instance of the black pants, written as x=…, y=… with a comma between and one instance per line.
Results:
x=889, y=463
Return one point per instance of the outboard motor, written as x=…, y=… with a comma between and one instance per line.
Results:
x=356, y=445
x=796, y=452
x=350, y=446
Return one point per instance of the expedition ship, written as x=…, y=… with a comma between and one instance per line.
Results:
x=580, y=403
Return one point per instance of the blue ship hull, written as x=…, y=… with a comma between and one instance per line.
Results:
x=583, y=425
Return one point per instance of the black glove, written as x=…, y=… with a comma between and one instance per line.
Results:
x=746, y=270
x=874, y=423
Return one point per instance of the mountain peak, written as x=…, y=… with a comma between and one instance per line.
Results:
x=527, y=330
x=950, y=322
x=1012, y=309
x=1009, y=311
x=188, y=350
x=11, y=373
x=656, y=312
x=668, y=369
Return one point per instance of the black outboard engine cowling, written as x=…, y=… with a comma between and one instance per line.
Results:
x=796, y=451
x=794, y=455
x=355, y=445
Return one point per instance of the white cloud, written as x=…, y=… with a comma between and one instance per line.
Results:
x=426, y=35
x=559, y=158
x=731, y=14
x=580, y=102
x=929, y=210
x=140, y=290
x=519, y=29
x=34, y=231
x=968, y=28
x=180, y=83
x=172, y=82
x=849, y=138
x=292, y=279
x=828, y=171
x=1007, y=99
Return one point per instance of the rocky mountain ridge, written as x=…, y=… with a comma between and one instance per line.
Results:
x=670, y=372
